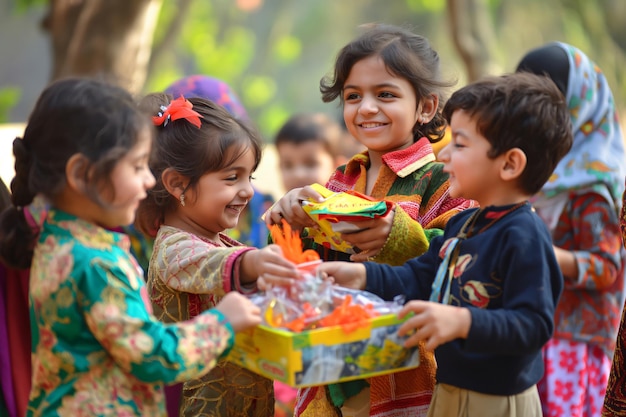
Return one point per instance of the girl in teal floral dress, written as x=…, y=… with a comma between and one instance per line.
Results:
x=81, y=170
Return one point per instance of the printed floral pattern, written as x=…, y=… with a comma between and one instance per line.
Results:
x=575, y=381
x=189, y=274
x=97, y=351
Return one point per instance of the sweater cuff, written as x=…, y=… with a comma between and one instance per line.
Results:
x=406, y=240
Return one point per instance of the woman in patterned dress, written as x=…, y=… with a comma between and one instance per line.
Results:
x=580, y=205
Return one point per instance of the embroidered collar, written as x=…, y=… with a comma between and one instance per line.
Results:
x=402, y=163
x=64, y=224
x=224, y=238
x=408, y=160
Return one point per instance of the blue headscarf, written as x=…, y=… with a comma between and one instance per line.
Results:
x=596, y=160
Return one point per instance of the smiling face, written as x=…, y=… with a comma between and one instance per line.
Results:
x=217, y=200
x=473, y=175
x=380, y=109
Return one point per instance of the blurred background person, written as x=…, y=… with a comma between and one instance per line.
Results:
x=580, y=204
x=310, y=146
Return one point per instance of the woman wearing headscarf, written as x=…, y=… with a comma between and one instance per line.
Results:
x=580, y=204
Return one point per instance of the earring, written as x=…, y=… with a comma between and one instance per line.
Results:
x=182, y=199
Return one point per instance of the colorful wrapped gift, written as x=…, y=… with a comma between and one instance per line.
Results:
x=340, y=213
x=315, y=333
x=324, y=355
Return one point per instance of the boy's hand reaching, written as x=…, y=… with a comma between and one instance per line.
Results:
x=289, y=207
x=346, y=274
x=434, y=323
x=268, y=263
x=240, y=312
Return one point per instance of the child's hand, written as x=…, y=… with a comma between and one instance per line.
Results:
x=240, y=312
x=268, y=263
x=434, y=323
x=346, y=274
x=373, y=237
x=289, y=207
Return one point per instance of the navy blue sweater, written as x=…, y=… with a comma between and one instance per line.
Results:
x=508, y=278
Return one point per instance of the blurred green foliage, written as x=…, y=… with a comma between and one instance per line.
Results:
x=274, y=52
x=9, y=96
x=274, y=56
x=22, y=5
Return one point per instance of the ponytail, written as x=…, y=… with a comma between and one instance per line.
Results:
x=18, y=229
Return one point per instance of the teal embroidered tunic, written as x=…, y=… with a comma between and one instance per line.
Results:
x=97, y=348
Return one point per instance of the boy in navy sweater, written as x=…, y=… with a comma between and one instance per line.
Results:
x=489, y=286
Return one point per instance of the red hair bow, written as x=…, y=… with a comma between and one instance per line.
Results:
x=178, y=109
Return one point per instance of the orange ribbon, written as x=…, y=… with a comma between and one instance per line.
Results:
x=178, y=109
x=291, y=244
x=349, y=317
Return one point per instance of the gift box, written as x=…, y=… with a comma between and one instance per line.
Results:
x=325, y=355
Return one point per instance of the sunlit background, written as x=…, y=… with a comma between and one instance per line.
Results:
x=274, y=52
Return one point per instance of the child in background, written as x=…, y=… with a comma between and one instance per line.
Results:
x=203, y=161
x=310, y=146
x=615, y=397
x=251, y=229
x=81, y=170
x=389, y=82
x=580, y=205
x=490, y=285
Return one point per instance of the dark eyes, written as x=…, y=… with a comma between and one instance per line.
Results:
x=236, y=177
x=141, y=167
x=355, y=96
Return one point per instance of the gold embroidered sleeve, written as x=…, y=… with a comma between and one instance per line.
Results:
x=406, y=240
x=193, y=266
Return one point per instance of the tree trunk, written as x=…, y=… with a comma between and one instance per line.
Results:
x=110, y=39
x=471, y=32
